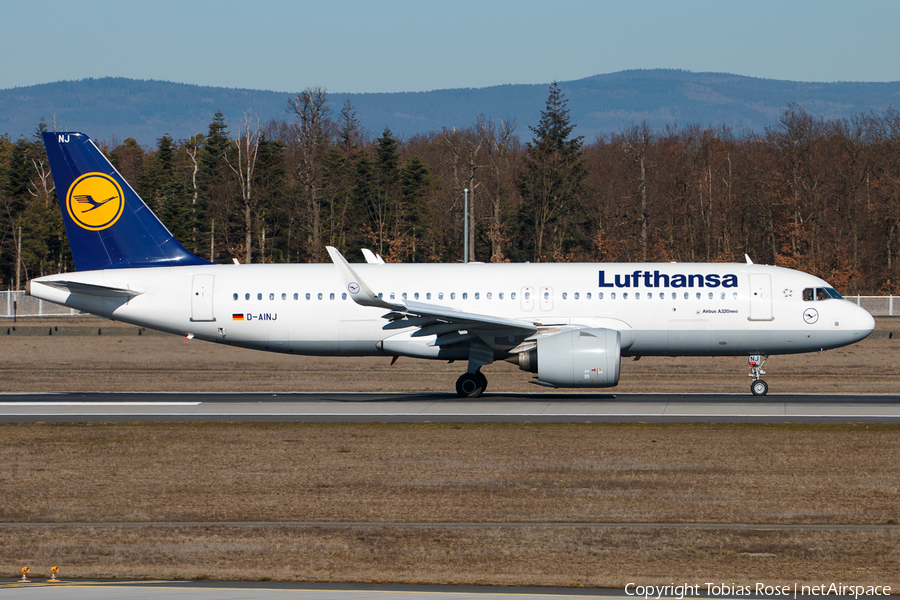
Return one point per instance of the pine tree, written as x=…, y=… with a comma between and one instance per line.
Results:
x=213, y=186
x=415, y=182
x=553, y=172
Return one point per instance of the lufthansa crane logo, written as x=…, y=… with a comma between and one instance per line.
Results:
x=95, y=201
x=810, y=315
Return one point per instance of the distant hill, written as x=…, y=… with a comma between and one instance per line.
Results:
x=117, y=108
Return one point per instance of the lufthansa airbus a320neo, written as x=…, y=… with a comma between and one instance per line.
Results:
x=570, y=324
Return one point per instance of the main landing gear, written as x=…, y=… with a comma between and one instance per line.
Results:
x=471, y=385
x=758, y=387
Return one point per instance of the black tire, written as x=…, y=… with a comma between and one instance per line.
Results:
x=470, y=385
x=483, y=381
x=759, y=388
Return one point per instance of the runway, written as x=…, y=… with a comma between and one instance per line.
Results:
x=431, y=407
x=240, y=590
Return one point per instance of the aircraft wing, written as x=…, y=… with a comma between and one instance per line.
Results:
x=450, y=325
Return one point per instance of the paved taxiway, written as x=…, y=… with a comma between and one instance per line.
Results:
x=234, y=590
x=541, y=407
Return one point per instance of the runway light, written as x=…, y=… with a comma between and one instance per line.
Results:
x=53, y=572
x=25, y=572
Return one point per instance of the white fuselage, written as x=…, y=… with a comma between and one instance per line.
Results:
x=660, y=309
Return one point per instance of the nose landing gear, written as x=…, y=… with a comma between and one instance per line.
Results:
x=758, y=387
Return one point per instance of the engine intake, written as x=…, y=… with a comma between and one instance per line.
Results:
x=577, y=358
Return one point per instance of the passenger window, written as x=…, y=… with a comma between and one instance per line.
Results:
x=599, y=295
x=624, y=295
x=320, y=295
x=637, y=295
x=453, y=295
x=235, y=296
x=465, y=296
x=734, y=295
x=403, y=295
x=307, y=295
x=296, y=296
x=477, y=295
x=500, y=296
x=259, y=296
x=686, y=295
x=392, y=295
x=271, y=296
x=612, y=295
x=331, y=296
x=723, y=295
x=488, y=295
x=440, y=295
x=284, y=296
x=710, y=295
x=546, y=295
x=649, y=295
x=416, y=296
x=698, y=295
x=528, y=295
x=675, y=296
x=428, y=296
x=512, y=295
x=246, y=296
x=344, y=296
x=564, y=295
x=587, y=296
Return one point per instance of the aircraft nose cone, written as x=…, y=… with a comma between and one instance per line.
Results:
x=863, y=323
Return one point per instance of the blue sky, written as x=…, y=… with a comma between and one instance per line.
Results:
x=401, y=45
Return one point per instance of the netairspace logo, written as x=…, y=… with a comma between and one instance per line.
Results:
x=685, y=590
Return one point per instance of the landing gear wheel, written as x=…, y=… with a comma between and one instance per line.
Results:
x=471, y=385
x=759, y=387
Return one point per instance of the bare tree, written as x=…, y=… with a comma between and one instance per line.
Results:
x=313, y=136
x=497, y=139
x=247, y=145
x=461, y=153
x=636, y=143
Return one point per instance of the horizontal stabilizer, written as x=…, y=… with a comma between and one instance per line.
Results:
x=90, y=289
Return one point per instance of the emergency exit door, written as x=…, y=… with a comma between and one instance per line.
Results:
x=202, y=298
x=761, y=297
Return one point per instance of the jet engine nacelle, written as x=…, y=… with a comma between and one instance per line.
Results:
x=577, y=358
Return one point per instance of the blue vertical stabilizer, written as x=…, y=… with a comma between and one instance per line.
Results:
x=108, y=224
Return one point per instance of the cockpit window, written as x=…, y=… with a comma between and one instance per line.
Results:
x=818, y=294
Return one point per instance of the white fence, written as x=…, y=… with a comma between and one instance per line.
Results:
x=18, y=304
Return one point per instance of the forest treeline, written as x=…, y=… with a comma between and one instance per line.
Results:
x=812, y=194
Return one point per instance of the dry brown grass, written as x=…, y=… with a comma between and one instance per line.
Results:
x=76, y=359
x=397, y=473
x=532, y=556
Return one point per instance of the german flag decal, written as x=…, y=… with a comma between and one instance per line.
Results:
x=237, y=317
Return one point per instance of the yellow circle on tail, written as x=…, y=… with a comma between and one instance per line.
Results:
x=95, y=201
